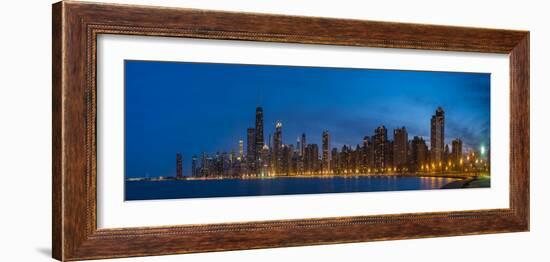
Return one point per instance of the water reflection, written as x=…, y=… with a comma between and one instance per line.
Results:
x=141, y=190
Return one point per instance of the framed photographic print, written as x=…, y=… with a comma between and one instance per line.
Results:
x=182, y=130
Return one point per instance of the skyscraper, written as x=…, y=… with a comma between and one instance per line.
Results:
x=259, y=141
x=344, y=159
x=303, y=145
x=400, y=147
x=232, y=157
x=179, y=165
x=456, y=151
x=380, y=145
x=388, y=154
x=205, y=165
x=446, y=155
x=263, y=161
x=194, y=166
x=277, y=153
x=368, y=153
x=326, y=152
x=250, y=148
x=311, y=158
x=241, y=149
x=334, y=160
x=419, y=152
x=285, y=162
x=437, y=135
x=357, y=158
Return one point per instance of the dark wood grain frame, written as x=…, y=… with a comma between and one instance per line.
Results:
x=75, y=28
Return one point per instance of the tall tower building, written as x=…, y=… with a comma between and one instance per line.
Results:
x=388, y=154
x=179, y=165
x=205, y=165
x=250, y=148
x=419, y=152
x=241, y=149
x=277, y=153
x=194, y=166
x=300, y=159
x=446, y=154
x=400, y=147
x=259, y=141
x=368, y=153
x=263, y=161
x=231, y=156
x=326, y=152
x=380, y=145
x=437, y=135
x=334, y=160
x=456, y=151
x=286, y=159
x=312, y=158
x=303, y=144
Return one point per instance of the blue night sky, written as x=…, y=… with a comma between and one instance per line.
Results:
x=200, y=107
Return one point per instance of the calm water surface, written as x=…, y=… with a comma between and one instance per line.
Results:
x=145, y=190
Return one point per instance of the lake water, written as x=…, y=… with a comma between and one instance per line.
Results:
x=174, y=189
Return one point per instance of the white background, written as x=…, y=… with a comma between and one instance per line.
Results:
x=25, y=136
x=114, y=212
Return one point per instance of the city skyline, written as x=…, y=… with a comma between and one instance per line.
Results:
x=340, y=114
x=377, y=153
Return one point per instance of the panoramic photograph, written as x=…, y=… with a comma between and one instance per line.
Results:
x=201, y=130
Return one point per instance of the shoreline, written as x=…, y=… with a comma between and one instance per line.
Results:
x=475, y=182
x=461, y=176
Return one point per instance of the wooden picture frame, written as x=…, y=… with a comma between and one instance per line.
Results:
x=76, y=26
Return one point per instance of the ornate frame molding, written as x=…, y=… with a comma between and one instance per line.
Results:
x=76, y=26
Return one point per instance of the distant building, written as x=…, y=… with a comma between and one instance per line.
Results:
x=194, y=166
x=276, y=150
x=357, y=157
x=241, y=149
x=303, y=144
x=219, y=160
x=312, y=158
x=300, y=165
x=334, y=160
x=298, y=147
x=344, y=159
x=205, y=165
x=259, y=132
x=400, y=147
x=380, y=141
x=446, y=155
x=263, y=161
x=437, y=135
x=294, y=160
x=225, y=164
x=326, y=152
x=179, y=165
x=232, y=157
x=419, y=153
x=388, y=154
x=366, y=153
x=286, y=159
x=250, y=148
x=456, y=151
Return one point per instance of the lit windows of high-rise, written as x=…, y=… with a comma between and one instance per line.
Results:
x=437, y=136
